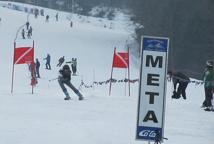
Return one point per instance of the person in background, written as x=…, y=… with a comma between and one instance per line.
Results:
x=48, y=61
x=37, y=68
x=182, y=81
x=27, y=25
x=71, y=24
x=29, y=32
x=47, y=18
x=57, y=16
x=23, y=34
x=208, y=77
x=33, y=73
x=61, y=61
x=65, y=79
x=73, y=65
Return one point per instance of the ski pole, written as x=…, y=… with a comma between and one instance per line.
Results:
x=53, y=79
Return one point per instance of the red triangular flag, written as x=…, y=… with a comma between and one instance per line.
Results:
x=23, y=55
x=121, y=60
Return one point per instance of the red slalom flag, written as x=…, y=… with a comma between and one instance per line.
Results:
x=23, y=55
x=121, y=60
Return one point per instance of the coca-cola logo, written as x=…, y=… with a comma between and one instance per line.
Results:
x=147, y=133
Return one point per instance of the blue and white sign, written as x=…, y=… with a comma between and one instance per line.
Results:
x=152, y=88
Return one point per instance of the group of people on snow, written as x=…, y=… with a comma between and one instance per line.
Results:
x=61, y=60
x=28, y=30
x=181, y=81
x=64, y=73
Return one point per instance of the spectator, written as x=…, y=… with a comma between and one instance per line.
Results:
x=27, y=25
x=57, y=16
x=61, y=61
x=73, y=65
x=37, y=68
x=23, y=34
x=71, y=24
x=208, y=77
x=47, y=18
x=29, y=33
x=182, y=81
x=48, y=61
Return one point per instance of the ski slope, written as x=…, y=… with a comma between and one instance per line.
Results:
x=45, y=118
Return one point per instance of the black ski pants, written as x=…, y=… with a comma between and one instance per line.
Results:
x=182, y=89
x=63, y=82
x=208, y=97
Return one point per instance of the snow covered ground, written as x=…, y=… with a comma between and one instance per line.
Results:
x=45, y=117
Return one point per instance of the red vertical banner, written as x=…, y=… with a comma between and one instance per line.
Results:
x=22, y=55
x=120, y=60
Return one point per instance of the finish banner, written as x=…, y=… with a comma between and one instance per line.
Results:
x=152, y=88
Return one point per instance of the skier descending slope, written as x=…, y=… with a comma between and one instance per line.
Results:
x=64, y=78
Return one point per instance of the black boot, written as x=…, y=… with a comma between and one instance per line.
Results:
x=80, y=96
x=67, y=98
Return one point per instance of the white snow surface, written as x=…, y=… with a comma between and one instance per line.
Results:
x=45, y=118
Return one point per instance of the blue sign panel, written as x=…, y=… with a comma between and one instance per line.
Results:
x=155, y=44
x=152, y=89
x=149, y=133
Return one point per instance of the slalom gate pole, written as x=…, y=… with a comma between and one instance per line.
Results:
x=33, y=67
x=13, y=68
x=12, y=79
x=111, y=72
x=125, y=82
x=32, y=89
x=129, y=74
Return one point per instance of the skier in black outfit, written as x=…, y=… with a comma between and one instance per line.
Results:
x=37, y=68
x=48, y=60
x=182, y=81
x=61, y=61
x=64, y=78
